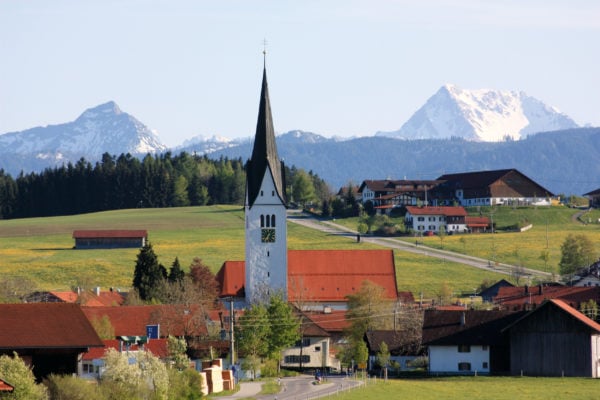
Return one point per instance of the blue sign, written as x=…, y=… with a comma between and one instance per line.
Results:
x=153, y=331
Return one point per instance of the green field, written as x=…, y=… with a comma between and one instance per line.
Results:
x=41, y=249
x=480, y=388
x=550, y=227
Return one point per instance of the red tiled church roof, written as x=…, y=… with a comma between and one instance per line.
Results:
x=323, y=275
x=45, y=325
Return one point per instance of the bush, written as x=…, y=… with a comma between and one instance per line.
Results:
x=19, y=375
x=185, y=385
x=269, y=369
x=67, y=387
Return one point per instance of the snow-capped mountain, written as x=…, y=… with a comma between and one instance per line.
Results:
x=481, y=115
x=98, y=130
x=205, y=145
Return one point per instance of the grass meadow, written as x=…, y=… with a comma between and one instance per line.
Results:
x=41, y=249
x=480, y=388
x=550, y=227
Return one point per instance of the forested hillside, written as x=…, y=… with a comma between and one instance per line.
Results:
x=119, y=182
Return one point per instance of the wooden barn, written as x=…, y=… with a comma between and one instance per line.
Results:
x=109, y=239
x=49, y=337
x=555, y=340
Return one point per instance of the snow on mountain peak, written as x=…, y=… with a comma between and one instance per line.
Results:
x=481, y=114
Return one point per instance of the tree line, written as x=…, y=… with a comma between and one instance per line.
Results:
x=125, y=181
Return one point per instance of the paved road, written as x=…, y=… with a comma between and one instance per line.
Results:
x=297, y=388
x=332, y=228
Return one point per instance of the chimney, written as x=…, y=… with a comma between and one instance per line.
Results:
x=462, y=319
x=540, y=289
x=526, y=289
x=97, y=290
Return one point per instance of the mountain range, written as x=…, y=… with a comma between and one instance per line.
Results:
x=455, y=131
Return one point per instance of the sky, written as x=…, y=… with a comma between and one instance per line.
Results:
x=335, y=67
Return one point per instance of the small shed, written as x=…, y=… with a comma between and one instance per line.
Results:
x=555, y=340
x=109, y=239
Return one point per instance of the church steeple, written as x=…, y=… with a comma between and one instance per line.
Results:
x=264, y=153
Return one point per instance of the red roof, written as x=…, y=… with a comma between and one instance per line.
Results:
x=477, y=221
x=158, y=347
x=323, y=275
x=45, y=325
x=91, y=299
x=520, y=295
x=446, y=211
x=119, y=233
x=334, y=321
x=176, y=320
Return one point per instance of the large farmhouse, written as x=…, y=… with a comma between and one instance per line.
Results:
x=488, y=188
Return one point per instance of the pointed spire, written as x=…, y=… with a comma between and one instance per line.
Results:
x=264, y=153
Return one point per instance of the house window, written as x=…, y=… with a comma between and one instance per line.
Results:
x=297, y=359
x=421, y=219
x=317, y=348
x=464, y=366
x=485, y=365
x=304, y=343
x=464, y=348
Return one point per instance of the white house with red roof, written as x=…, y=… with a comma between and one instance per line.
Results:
x=430, y=219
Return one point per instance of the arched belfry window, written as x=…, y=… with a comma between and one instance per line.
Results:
x=273, y=220
x=262, y=221
x=268, y=221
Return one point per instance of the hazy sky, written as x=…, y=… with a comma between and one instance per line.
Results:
x=335, y=67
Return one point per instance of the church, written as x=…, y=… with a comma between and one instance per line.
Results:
x=306, y=278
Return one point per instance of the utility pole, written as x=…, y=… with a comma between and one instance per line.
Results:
x=232, y=339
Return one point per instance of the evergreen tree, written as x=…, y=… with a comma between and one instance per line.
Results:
x=176, y=274
x=148, y=274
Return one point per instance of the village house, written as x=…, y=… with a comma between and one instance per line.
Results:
x=109, y=239
x=594, y=198
x=320, y=334
x=388, y=194
x=489, y=188
x=90, y=298
x=403, y=345
x=554, y=339
x=425, y=220
x=49, y=337
x=468, y=341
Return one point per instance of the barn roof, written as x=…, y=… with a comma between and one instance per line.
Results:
x=45, y=325
x=109, y=233
x=469, y=327
x=323, y=275
x=563, y=306
x=176, y=320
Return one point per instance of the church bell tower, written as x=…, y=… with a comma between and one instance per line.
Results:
x=265, y=211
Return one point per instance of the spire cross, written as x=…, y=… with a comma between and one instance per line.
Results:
x=265, y=52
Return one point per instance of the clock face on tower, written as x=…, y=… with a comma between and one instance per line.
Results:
x=267, y=235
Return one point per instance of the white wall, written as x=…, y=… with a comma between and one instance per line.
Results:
x=446, y=359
